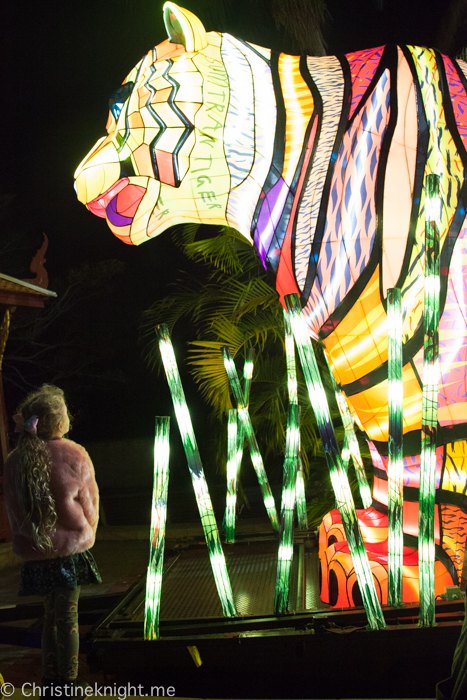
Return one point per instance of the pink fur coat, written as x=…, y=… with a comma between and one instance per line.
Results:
x=73, y=486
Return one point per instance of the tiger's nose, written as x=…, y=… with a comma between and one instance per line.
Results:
x=97, y=172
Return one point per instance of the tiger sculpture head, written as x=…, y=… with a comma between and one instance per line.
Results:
x=321, y=162
x=165, y=160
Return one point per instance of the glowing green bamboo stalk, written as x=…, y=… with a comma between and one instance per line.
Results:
x=426, y=532
x=233, y=448
x=351, y=442
x=248, y=366
x=285, y=555
x=300, y=497
x=245, y=421
x=345, y=454
x=235, y=440
x=200, y=486
x=395, y=464
x=158, y=518
x=292, y=385
x=339, y=478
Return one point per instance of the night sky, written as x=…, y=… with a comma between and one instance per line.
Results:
x=63, y=60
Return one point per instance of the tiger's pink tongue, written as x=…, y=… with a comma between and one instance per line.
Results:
x=99, y=204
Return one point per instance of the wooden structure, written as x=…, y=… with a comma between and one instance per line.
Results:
x=13, y=293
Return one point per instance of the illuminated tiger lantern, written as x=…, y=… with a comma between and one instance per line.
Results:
x=321, y=162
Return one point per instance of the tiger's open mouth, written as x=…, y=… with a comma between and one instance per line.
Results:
x=119, y=203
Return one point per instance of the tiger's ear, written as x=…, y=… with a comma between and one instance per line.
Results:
x=183, y=27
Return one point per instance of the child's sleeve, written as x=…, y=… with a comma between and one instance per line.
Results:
x=89, y=492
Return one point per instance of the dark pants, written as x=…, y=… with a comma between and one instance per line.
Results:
x=455, y=687
x=60, y=635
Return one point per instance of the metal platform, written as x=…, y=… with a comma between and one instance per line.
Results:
x=310, y=652
x=189, y=590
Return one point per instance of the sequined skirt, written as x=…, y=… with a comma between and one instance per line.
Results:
x=41, y=577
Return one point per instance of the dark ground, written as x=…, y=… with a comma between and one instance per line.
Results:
x=122, y=557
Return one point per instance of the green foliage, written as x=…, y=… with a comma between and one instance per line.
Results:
x=229, y=301
x=227, y=298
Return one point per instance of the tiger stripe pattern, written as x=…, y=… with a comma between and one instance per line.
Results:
x=328, y=78
x=239, y=131
x=458, y=98
x=363, y=65
x=243, y=197
x=350, y=223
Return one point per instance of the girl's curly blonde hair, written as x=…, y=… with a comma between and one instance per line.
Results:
x=33, y=476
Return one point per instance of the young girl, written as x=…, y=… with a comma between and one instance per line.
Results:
x=52, y=502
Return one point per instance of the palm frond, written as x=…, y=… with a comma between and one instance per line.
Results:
x=218, y=251
x=229, y=301
x=183, y=236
